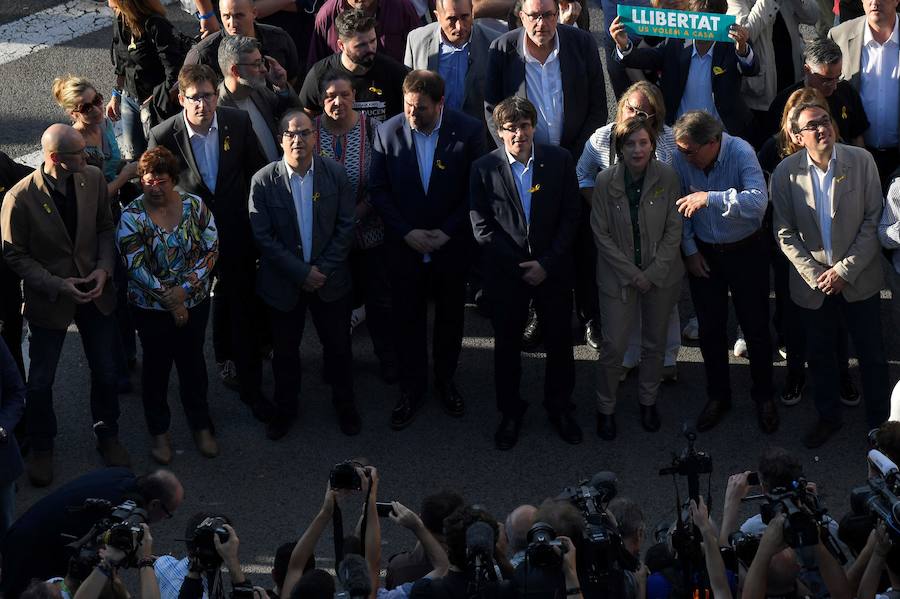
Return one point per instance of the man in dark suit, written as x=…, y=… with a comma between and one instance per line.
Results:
x=11, y=172
x=218, y=153
x=691, y=79
x=561, y=75
x=12, y=407
x=524, y=211
x=418, y=182
x=302, y=216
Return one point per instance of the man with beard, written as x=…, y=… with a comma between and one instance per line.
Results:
x=377, y=78
x=246, y=74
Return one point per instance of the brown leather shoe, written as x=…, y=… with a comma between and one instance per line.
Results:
x=767, y=414
x=40, y=467
x=162, y=449
x=113, y=452
x=206, y=443
x=712, y=412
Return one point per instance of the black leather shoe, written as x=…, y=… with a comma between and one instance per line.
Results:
x=650, y=418
x=277, y=428
x=450, y=399
x=793, y=391
x=592, y=335
x=507, y=434
x=820, y=433
x=568, y=429
x=405, y=411
x=606, y=426
x=390, y=371
x=712, y=412
x=849, y=394
x=531, y=336
x=348, y=419
x=767, y=415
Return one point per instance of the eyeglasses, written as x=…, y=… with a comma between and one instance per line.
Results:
x=517, y=128
x=638, y=113
x=541, y=16
x=827, y=80
x=302, y=134
x=814, y=126
x=200, y=98
x=690, y=151
x=259, y=64
x=86, y=107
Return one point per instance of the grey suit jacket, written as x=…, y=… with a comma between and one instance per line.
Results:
x=849, y=36
x=273, y=219
x=269, y=104
x=423, y=51
x=856, y=211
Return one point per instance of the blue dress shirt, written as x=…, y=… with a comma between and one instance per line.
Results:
x=425, y=144
x=301, y=187
x=698, y=93
x=453, y=67
x=522, y=176
x=737, y=195
x=823, y=193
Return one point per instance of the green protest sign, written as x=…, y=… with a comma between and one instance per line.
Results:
x=661, y=22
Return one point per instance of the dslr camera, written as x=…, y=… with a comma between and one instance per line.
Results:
x=346, y=476
x=203, y=547
x=802, y=515
x=117, y=526
x=544, y=549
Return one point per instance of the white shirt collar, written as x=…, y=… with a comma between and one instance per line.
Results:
x=810, y=163
x=529, y=58
x=190, y=129
x=437, y=126
x=894, y=39
x=291, y=172
x=512, y=159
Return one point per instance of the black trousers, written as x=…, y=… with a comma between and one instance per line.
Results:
x=411, y=288
x=372, y=288
x=554, y=309
x=165, y=344
x=332, y=322
x=863, y=320
x=587, y=300
x=744, y=271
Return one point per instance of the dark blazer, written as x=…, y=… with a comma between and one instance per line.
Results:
x=395, y=186
x=12, y=406
x=498, y=218
x=673, y=60
x=269, y=104
x=273, y=219
x=239, y=158
x=584, y=90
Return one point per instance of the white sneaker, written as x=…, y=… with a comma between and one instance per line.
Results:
x=740, y=348
x=691, y=330
x=357, y=317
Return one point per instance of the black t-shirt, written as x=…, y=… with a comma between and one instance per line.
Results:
x=379, y=92
x=275, y=42
x=845, y=104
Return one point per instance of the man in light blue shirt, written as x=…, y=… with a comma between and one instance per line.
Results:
x=725, y=252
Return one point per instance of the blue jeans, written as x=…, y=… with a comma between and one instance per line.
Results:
x=99, y=337
x=7, y=506
x=134, y=142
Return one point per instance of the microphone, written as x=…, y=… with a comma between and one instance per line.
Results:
x=353, y=574
x=885, y=466
x=606, y=483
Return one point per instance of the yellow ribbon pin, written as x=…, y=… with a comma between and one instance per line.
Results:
x=440, y=164
x=535, y=188
x=657, y=192
x=315, y=197
x=844, y=112
x=226, y=145
x=839, y=179
x=46, y=208
x=376, y=90
x=718, y=71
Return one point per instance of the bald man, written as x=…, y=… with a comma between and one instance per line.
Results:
x=58, y=236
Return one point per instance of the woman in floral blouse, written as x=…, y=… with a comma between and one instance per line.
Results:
x=169, y=243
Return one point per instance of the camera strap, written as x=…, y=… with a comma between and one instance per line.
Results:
x=337, y=524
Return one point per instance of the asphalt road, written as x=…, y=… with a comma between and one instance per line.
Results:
x=272, y=490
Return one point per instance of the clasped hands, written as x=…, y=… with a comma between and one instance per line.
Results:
x=87, y=289
x=426, y=241
x=830, y=283
x=173, y=300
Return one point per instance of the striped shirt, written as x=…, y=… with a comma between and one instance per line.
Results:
x=737, y=195
x=599, y=153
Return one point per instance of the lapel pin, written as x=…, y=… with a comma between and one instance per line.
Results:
x=440, y=164
x=718, y=71
x=376, y=90
x=839, y=179
x=226, y=145
x=657, y=192
x=535, y=188
x=46, y=208
x=844, y=112
x=315, y=197
x=2, y=189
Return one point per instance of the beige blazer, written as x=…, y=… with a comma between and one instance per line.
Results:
x=856, y=211
x=37, y=246
x=660, y=225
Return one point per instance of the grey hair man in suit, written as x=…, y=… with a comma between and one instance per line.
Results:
x=456, y=47
x=247, y=74
x=827, y=202
x=302, y=216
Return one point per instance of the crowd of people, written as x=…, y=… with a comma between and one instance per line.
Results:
x=286, y=161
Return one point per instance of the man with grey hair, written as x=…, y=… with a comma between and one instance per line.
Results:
x=518, y=523
x=725, y=251
x=245, y=86
x=822, y=64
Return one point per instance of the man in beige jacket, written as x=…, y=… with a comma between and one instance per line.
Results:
x=58, y=236
x=827, y=201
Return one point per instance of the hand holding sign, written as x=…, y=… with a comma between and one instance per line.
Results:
x=740, y=35
x=708, y=27
x=618, y=33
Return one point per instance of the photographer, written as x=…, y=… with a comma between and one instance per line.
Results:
x=630, y=522
x=884, y=557
x=367, y=476
x=773, y=555
x=105, y=575
x=715, y=567
x=410, y=566
x=518, y=523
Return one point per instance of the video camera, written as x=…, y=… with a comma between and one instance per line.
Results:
x=117, y=526
x=879, y=496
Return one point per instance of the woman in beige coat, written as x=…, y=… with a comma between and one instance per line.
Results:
x=637, y=230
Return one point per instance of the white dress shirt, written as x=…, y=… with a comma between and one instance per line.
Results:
x=543, y=87
x=879, y=79
x=823, y=193
x=301, y=187
x=206, y=151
